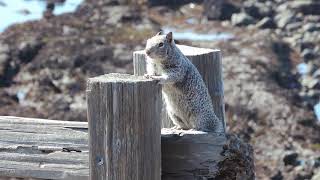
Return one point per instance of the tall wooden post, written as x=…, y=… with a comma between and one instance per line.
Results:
x=208, y=63
x=124, y=127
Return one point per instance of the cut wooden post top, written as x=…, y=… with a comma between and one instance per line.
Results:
x=190, y=50
x=117, y=77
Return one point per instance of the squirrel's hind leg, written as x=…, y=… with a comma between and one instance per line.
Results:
x=177, y=121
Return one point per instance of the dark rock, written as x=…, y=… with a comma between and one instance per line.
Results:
x=311, y=27
x=220, y=9
x=258, y=10
x=291, y=159
x=3, y=63
x=240, y=153
x=266, y=23
x=242, y=19
x=304, y=175
x=293, y=26
x=306, y=45
x=29, y=49
x=131, y=16
x=308, y=54
x=277, y=176
x=50, y=6
x=306, y=6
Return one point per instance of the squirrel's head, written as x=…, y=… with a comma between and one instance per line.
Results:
x=159, y=46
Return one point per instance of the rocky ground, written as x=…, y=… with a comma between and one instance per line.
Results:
x=271, y=68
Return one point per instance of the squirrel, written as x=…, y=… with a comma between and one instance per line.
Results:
x=186, y=96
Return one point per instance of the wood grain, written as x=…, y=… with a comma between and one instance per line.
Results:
x=208, y=63
x=43, y=149
x=49, y=149
x=124, y=127
x=189, y=155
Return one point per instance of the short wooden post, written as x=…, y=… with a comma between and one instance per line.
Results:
x=124, y=127
x=195, y=155
x=208, y=63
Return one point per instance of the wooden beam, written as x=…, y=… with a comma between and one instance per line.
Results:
x=208, y=63
x=49, y=149
x=44, y=149
x=124, y=127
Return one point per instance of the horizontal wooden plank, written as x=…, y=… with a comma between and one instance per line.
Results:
x=44, y=149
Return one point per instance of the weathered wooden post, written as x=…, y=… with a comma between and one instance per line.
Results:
x=124, y=127
x=208, y=63
x=197, y=155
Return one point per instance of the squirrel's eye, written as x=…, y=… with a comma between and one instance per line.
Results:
x=160, y=44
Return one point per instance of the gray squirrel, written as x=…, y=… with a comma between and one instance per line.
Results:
x=187, y=99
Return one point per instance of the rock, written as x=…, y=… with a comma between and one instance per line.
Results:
x=316, y=74
x=219, y=9
x=4, y=48
x=266, y=23
x=277, y=176
x=3, y=63
x=239, y=155
x=316, y=176
x=258, y=10
x=308, y=54
x=285, y=17
x=306, y=45
x=291, y=159
x=24, y=12
x=311, y=27
x=115, y=14
x=309, y=81
x=306, y=6
x=4, y=57
x=67, y=30
x=293, y=26
x=29, y=49
x=171, y=3
x=241, y=19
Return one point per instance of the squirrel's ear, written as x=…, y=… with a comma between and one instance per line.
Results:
x=159, y=33
x=169, y=37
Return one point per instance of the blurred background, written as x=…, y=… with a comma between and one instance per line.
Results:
x=271, y=64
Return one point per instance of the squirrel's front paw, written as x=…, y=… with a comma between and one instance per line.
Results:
x=147, y=76
x=154, y=77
